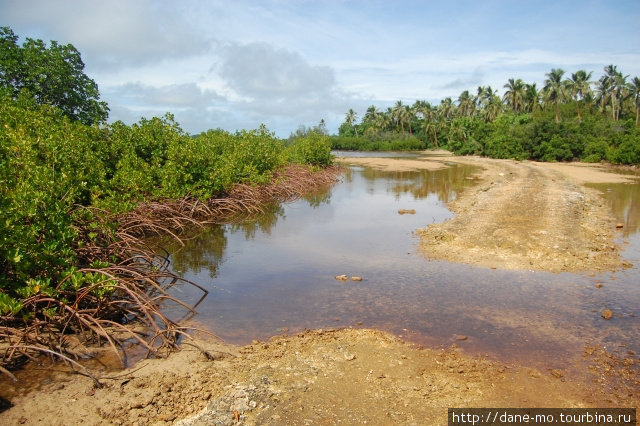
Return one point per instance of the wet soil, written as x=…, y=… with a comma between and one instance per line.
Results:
x=316, y=377
x=529, y=216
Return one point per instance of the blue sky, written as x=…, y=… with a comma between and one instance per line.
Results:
x=237, y=64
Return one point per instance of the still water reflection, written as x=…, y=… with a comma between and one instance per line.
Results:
x=277, y=273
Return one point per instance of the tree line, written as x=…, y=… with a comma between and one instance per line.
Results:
x=572, y=115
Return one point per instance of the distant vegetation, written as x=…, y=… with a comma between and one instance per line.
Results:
x=76, y=193
x=572, y=117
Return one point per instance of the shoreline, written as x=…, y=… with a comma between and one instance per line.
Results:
x=355, y=375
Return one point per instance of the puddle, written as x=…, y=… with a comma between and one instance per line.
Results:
x=276, y=275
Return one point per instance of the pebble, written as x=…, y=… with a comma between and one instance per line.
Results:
x=557, y=373
x=607, y=314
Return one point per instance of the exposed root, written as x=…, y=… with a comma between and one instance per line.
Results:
x=134, y=285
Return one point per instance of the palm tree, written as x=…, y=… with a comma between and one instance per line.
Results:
x=580, y=87
x=429, y=124
x=351, y=118
x=480, y=95
x=617, y=89
x=322, y=127
x=369, y=120
x=515, y=95
x=603, y=92
x=399, y=114
x=457, y=132
x=382, y=121
x=466, y=104
x=555, y=90
x=446, y=108
x=493, y=108
x=634, y=87
x=531, y=98
x=371, y=114
x=409, y=116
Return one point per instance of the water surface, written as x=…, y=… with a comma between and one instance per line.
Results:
x=276, y=275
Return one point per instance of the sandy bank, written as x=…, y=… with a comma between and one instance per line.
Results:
x=325, y=377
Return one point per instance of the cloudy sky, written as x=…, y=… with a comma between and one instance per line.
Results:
x=236, y=64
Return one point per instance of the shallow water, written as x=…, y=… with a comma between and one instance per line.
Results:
x=276, y=275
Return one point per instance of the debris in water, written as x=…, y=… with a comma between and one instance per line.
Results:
x=607, y=314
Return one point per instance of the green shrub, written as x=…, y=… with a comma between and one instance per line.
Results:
x=628, y=152
x=313, y=149
x=595, y=150
x=557, y=149
x=50, y=165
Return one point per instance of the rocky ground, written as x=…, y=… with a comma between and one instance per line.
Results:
x=352, y=376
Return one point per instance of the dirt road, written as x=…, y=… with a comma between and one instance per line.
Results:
x=529, y=216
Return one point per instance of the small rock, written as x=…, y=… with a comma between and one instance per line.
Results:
x=557, y=373
x=349, y=357
x=607, y=314
x=356, y=278
x=461, y=337
x=341, y=277
x=619, y=225
x=599, y=285
x=406, y=211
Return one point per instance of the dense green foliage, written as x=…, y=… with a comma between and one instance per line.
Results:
x=64, y=174
x=314, y=149
x=51, y=165
x=571, y=118
x=52, y=75
x=392, y=142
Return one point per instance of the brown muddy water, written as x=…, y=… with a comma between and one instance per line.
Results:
x=275, y=275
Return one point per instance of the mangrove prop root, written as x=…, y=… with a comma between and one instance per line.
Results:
x=131, y=291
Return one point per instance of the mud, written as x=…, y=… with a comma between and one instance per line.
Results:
x=316, y=377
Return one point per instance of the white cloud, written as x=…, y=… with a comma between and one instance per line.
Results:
x=216, y=63
x=261, y=71
x=187, y=95
x=110, y=33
